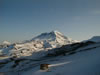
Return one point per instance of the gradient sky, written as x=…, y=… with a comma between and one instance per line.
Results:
x=23, y=19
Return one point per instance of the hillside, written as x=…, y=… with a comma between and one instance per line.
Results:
x=84, y=61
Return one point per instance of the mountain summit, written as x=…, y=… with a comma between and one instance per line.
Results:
x=54, y=38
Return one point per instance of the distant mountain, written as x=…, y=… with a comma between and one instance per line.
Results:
x=95, y=39
x=38, y=45
x=54, y=39
x=81, y=55
x=5, y=44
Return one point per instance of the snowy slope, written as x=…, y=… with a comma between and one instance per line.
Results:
x=40, y=43
x=95, y=39
x=81, y=63
x=86, y=62
x=4, y=44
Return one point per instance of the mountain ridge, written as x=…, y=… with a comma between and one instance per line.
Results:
x=42, y=42
x=95, y=39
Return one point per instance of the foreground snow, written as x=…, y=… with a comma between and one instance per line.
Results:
x=86, y=61
x=81, y=63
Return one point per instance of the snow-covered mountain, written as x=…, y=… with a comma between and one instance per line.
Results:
x=95, y=39
x=38, y=44
x=54, y=39
x=5, y=44
x=71, y=59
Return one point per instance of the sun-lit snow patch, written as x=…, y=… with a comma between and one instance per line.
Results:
x=59, y=64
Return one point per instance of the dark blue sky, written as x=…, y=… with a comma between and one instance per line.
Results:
x=23, y=19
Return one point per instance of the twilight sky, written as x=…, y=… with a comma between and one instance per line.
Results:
x=23, y=19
